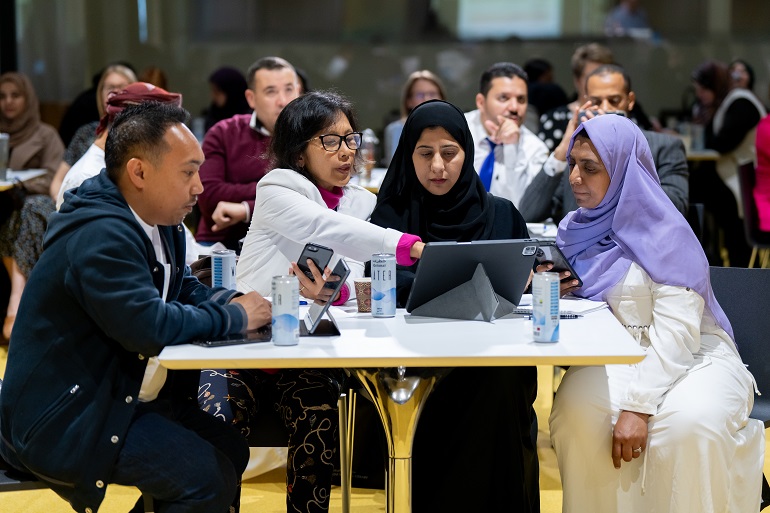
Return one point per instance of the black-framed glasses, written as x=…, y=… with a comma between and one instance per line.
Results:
x=332, y=142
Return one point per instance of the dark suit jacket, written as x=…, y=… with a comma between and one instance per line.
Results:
x=551, y=196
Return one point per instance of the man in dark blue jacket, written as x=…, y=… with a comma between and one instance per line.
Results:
x=84, y=403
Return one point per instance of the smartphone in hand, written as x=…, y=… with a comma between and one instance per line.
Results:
x=549, y=252
x=320, y=255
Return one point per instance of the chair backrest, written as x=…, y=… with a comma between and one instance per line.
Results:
x=744, y=295
x=748, y=179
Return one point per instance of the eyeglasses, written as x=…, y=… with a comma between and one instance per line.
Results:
x=332, y=142
x=423, y=97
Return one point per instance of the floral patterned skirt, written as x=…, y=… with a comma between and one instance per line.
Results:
x=306, y=401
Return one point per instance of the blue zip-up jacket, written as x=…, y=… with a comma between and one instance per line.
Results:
x=90, y=317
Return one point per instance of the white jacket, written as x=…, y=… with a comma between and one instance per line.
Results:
x=290, y=212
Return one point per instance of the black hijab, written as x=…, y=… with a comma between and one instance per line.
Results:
x=464, y=213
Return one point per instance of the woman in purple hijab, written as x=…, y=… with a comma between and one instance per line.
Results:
x=670, y=433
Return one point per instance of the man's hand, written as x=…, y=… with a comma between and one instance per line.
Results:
x=629, y=436
x=227, y=214
x=505, y=131
x=560, y=152
x=258, y=309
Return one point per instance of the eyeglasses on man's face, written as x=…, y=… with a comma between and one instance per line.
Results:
x=332, y=142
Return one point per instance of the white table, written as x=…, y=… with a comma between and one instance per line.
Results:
x=383, y=352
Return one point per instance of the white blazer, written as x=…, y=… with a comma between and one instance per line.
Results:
x=290, y=212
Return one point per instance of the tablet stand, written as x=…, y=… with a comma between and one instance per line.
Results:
x=326, y=328
x=473, y=300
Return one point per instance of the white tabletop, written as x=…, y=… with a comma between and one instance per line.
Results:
x=406, y=340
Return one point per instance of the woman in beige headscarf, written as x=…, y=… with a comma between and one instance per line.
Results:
x=33, y=145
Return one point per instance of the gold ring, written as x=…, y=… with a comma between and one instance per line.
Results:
x=302, y=288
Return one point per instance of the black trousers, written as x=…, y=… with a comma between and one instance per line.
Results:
x=475, y=449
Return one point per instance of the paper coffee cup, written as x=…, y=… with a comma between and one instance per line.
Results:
x=363, y=288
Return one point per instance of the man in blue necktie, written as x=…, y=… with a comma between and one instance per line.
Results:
x=508, y=155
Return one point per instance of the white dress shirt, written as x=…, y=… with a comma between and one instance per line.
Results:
x=155, y=373
x=516, y=165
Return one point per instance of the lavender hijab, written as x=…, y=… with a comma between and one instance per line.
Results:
x=635, y=222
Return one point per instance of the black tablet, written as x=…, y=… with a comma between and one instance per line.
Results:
x=263, y=334
x=445, y=265
x=318, y=308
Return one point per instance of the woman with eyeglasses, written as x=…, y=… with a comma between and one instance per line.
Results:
x=420, y=87
x=307, y=197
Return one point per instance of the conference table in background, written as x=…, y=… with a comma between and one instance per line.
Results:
x=702, y=155
x=14, y=177
x=399, y=360
x=371, y=182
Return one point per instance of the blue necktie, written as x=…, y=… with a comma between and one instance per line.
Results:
x=485, y=173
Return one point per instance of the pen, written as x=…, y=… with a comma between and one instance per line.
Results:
x=561, y=316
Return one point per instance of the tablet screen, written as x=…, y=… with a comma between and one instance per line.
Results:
x=335, y=282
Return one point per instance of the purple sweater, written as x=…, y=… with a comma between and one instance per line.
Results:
x=235, y=162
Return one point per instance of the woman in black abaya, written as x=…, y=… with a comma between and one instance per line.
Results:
x=475, y=448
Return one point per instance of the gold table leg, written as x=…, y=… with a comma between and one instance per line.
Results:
x=399, y=398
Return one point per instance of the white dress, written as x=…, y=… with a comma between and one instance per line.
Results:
x=703, y=453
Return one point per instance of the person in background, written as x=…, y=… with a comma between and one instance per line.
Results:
x=627, y=19
x=84, y=108
x=115, y=77
x=85, y=402
x=508, y=155
x=228, y=96
x=608, y=90
x=762, y=185
x=473, y=449
x=235, y=150
x=584, y=60
x=730, y=117
x=672, y=432
x=33, y=145
x=307, y=197
x=304, y=81
x=419, y=87
x=741, y=75
x=731, y=128
x=92, y=162
x=544, y=94
x=155, y=76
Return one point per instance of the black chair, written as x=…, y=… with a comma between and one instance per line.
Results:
x=756, y=238
x=743, y=295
